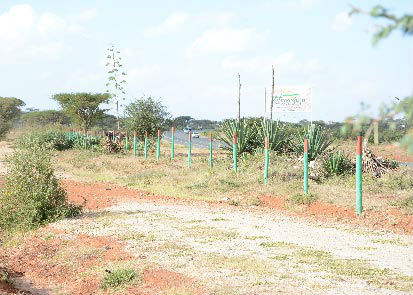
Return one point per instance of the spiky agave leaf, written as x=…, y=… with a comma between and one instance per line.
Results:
x=318, y=141
x=244, y=132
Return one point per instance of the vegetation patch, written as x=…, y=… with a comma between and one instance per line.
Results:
x=119, y=278
x=32, y=195
x=356, y=268
x=302, y=199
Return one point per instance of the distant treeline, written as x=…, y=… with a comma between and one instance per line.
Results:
x=390, y=130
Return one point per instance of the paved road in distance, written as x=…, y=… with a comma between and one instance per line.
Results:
x=201, y=142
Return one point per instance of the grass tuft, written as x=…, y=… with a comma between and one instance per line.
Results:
x=119, y=278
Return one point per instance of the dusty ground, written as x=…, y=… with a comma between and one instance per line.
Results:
x=182, y=246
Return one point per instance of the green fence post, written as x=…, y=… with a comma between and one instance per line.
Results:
x=126, y=142
x=359, y=166
x=305, y=166
x=158, y=146
x=210, y=150
x=267, y=160
x=189, y=148
x=234, y=151
x=145, y=147
x=173, y=143
x=134, y=143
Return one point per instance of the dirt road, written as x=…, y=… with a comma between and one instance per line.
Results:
x=239, y=251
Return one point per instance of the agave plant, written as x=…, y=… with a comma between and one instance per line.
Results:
x=337, y=164
x=244, y=134
x=273, y=130
x=318, y=141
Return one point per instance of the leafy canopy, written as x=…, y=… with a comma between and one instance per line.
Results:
x=83, y=108
x=146, y=114
x=9, y=111
x=42, y=118
x=403, y=23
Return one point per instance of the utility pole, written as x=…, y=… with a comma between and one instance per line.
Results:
x=239, y=98
x=265, y=103
x=272, y=93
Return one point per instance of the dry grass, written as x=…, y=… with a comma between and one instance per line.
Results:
x=174, y=178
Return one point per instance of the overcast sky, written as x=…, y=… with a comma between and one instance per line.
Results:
x=188, y=53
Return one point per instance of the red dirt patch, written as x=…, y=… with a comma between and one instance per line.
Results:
x=391, y=219
x=157, y=280
x=101, y=195
x=56, y=261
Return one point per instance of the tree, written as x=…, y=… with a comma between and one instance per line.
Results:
x=82, y=108
x=146, y=115
x=181, y=121
x=116, y=78
x=42, y=118
x=403, y=23
x=9, y=111
x=399, y=106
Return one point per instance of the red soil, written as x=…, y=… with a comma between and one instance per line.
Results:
x=391, y=219
x=36, y=256
x=102, y=195
x=59, y=261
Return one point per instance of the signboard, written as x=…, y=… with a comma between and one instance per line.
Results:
x=292, y=99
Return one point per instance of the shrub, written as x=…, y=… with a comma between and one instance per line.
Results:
x=337, y=164
x=118, y=278
x=277, y=138
x=244, y=129
x=80, y=141
x=46, y=139
x=31, y=195
x=302, y=199
x=318, y=141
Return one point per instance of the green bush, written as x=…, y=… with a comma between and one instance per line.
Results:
x=277, y=138
x=245, y=135
x=118, y=278
x=80, y=141
x=31, y=195
x=337, y=164
x=318, y=141
x=47, y=139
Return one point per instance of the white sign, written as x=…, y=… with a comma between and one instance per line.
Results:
x=292, y=99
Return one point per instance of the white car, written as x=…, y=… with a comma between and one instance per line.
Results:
x=186, y=129
x=195, y=134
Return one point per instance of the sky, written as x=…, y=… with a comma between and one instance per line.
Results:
x=188, y=53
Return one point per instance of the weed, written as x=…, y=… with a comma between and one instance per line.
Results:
x=302, y=199
x=354, y=268
x=277, y=244
x=234, y=203
x=118, y=278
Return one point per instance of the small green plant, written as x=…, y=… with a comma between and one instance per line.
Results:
x=31, y=195
x=118, y=278
x=318, y=141
x=337, y=164
x=302, y=199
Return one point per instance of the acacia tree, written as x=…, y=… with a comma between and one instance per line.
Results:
x=9, y=111
x=146, y=115
x=116, y=79
x=83, y=108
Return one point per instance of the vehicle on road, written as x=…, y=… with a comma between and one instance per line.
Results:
x=195, y=134
x=187, y=129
